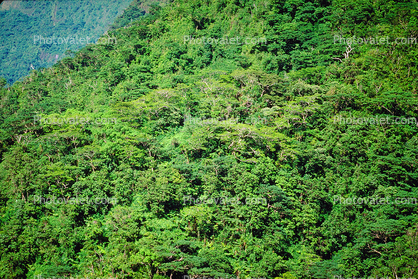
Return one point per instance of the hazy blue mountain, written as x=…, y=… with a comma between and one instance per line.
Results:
x=36, y=34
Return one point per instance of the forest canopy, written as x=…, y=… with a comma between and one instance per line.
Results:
x=290, y=152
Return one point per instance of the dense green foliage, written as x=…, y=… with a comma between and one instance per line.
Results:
x=229, y=121
x=24, y=22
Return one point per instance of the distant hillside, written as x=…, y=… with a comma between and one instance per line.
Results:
x=24, y=24
x=135, y=10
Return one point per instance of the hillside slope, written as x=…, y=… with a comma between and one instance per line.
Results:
x=224, y=139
